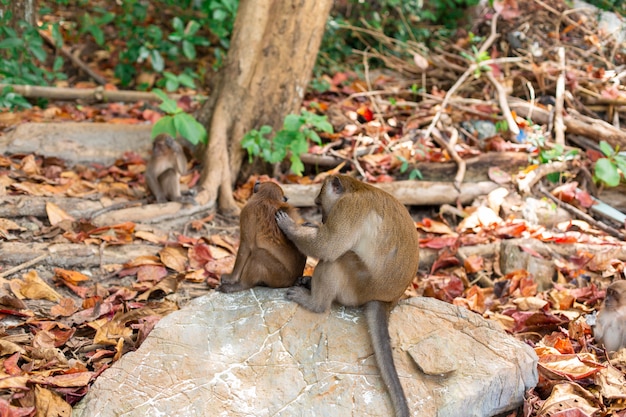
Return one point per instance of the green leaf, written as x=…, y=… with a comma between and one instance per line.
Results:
x=313, y=136
x=157, y=60
x=189, y=128
x=297, y=167
x=607, y=172
x=299, y=146
x=416, y=173
x=171, y=84
x=265, y=130
x=293, y=122
x=38, y=51
x=10, y=43
x=220, y=15
x=606, y=149
x=168, y=105
x=186, y=80
x=58, y=64
x=97, y=34
x=164, y=125
x=192, y=28
x=189, y=50
x=178, y=25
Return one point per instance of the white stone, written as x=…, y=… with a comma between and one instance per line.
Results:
x=255, y=353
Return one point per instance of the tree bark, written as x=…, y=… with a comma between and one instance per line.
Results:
x=25, y=10
x=273, y=49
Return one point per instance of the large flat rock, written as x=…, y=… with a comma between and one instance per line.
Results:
x=78, y=142
x=255, y=353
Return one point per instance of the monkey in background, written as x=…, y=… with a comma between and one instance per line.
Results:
x=368, y=252
x=165, y=167
x=265, y=256
x=610, y=328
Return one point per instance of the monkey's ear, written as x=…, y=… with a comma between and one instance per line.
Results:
x=256, y=187
x=285, y=199
x=337, y=185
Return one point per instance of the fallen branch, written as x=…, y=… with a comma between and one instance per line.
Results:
x=24, y=265
x=504, y=105
x=584, y=216
x=526, y=183
x=559, y=126
x=87, y=94
x=575, y=123
x=449, y=146
x=412, y=193
x=74, y=58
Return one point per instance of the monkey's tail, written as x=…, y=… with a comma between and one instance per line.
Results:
x=377, y=316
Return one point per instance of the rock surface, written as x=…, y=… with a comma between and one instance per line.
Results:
x=78, y=142
x=256, y=354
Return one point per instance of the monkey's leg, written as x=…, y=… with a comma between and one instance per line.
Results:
x=169, y=179
x=155, y=187
x=324, y=286
x=377, y=316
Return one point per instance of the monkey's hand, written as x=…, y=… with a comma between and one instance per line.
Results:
x=286, y=223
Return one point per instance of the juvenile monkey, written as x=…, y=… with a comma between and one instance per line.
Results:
x=265, y=256
x=367, y=248
x=166, y=165
x=611, y=321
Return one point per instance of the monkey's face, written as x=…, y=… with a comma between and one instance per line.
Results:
x=615, y=295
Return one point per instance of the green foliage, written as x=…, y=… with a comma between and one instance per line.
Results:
x=414, y=174
x=612, y=168
x=402, y=20
x=477, y=59
x=22, y=59
x=549, y=154
x=291, y=140
x=177, y=122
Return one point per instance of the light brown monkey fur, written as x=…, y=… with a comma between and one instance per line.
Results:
x=265, y=255
x=368, y=254
x=166, y=165
x=610, y=327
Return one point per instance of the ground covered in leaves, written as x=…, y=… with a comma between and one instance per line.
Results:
x=63, y=324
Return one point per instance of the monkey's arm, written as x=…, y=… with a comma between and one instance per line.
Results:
x=243, y=254
x=317, y=242
x=155, y=186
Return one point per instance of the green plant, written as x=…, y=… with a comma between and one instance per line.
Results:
x=290, y=141
x=171, y=81
x=612, y=168
x=22, y=59
x=10, y=100
x=92, y=24
x=185, y=35
x=176, y=122
x=549, y=154
x=477, y=59
x=415, y=173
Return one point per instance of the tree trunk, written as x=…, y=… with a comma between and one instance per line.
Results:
x=25, y=10
x=272, y=52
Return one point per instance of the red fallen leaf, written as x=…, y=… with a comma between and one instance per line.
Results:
x=528, y=286
x=7, y=410
x=10, y=366
x=594, y=155
x=365, y=113
x=199, y=255
x=151, y=273
x=474, y=263
x=584, y=198
x=566, y=192
x=15, y=313
x=535, y=321
x=446, y=259
x=65, y=308
x=438, y=242
x=445, y=288
x=510, y=230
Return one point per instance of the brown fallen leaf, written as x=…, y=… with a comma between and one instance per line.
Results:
x=56, y=214
x=65, y=308
x=72, y=277
x=168, y=285
x=33, y=287
x=174, y=258
x=108, y=331
x=47, y=403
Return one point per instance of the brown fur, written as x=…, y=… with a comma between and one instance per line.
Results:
x=166, y=165
x=610, y=328
x=368, y=255
x=265, y=256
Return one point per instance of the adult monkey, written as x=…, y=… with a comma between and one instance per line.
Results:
x=368, y=254
x=610, y=327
